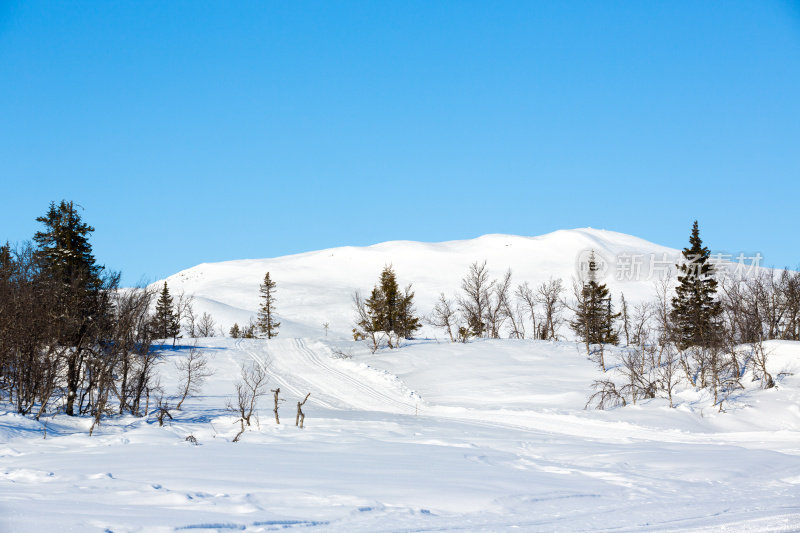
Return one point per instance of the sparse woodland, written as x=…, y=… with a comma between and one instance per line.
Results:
x=704, y=329
x=705, y=333
x=72, y=341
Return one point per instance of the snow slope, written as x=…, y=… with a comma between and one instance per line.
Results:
x=317, y=287
x=488, y=436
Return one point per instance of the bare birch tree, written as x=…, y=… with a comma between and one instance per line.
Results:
x=474, y=303
x=250, y=388
x=548, y=296
x=193, y=371
x=444, y=316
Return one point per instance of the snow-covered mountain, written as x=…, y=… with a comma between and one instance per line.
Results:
x=316, y=287
x=490, y=435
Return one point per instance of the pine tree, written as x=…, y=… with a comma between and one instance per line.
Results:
x=235, y=332
x=266, y=313
x=695, y=311
x=165, y=324
x=594, y=314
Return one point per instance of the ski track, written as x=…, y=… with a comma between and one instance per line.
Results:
x=330, y=387
x=337, y=389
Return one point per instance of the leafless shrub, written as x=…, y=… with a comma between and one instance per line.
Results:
x=498, y=309
x=528, y=302
x=185, y=314
x=606, y=395
x=444, y=316
x=206, y=326
x=639, y=368
x=193, y=371
x=341, y=354
x=640, y=323
x=760, y=355
x=365, y=330
x=249, y=389
x=668, y=367
x=162, y=409
x=548, y=296
x=474, y=303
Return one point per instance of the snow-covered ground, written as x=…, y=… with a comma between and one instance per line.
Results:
x=489, y=436
x=484, y=436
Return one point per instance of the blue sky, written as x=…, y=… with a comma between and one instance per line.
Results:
x=193, y=132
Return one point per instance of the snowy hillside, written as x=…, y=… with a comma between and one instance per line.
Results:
x=317, y=287
x=487, y=436
x=490, y=435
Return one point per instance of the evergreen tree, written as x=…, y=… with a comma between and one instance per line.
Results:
x=389, y=316
x=165, y=324
x=64, y=248
x=235, y=332
x=6, y=262
x=608, y=332
x=266, y=313
x=594, y=314
x=376, y=311
x=407, y=323
x=391, y=310
x=695, y=311
x=68, y=267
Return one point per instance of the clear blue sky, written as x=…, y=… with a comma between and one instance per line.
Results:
x=197, y=131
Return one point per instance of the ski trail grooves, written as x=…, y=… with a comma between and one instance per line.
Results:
x=298, y=368
x=268, y=361
x=370, y=396
x=302, y=368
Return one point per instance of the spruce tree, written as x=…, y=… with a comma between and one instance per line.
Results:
x=266, y=313
x=695, y=311
x=594, y=314
x=165, y=324
x=235, y=331
x=390, y=309
x=68, y=266
x=376, y=308
x=407, y=322
x=390, y=292
x=6, y=262
x=64, y=248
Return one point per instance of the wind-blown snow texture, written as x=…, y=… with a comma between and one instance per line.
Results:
x=487, y=436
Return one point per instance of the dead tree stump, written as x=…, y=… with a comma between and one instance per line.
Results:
x=300, y=416
x=276, y=391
